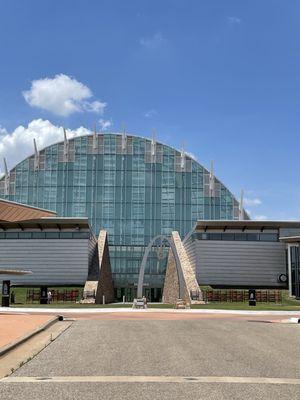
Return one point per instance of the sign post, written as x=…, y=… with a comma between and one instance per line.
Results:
x=5, y=293
x=252, y=297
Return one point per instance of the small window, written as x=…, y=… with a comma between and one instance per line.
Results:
x=215, y=236
x=81, y=235
x=252, y=237
x=227, y=236
x=240, y=236
x=65, y=235
x=52, y=235
x=24, y=235
x=11, y=235
x=38, y=235
x=269, y=237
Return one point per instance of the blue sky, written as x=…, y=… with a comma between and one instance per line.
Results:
x=220, y=77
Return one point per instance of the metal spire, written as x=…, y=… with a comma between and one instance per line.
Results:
x=66, y=146
x=241, y=206
x=6, y=179
x=212, y=179
x=5, y=167
x=95, y=137
x=36, y=155
x=153, y=144
x=182, y=157
x=124, y=138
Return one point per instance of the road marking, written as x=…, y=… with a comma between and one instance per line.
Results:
x=151, y=379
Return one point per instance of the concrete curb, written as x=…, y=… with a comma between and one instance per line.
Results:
x=80, y=311
x=10, y=346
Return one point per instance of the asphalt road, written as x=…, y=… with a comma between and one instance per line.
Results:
x=192, y=348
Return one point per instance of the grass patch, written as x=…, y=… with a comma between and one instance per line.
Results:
x=287, y=304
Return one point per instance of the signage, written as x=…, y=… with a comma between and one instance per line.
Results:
x=43, y=295
x=5, y=293
x=252, y=297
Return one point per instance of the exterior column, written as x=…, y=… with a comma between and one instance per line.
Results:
x=289, y=268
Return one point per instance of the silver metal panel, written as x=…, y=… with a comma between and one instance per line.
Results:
x=52, y=261
x=239, y=263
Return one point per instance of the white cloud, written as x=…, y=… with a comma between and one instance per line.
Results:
x=150, y=113
x=260, y=217
x=252, y=202
x=153, y=42
x=105, y=124
x=234, y=20
x=17, y=145
x=62, y=95
x=3, y=131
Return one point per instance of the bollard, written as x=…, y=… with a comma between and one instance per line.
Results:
x=103, y=299
x=123, y=299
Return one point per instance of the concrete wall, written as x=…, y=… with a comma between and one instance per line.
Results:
x=237, y=263
x=52, y=261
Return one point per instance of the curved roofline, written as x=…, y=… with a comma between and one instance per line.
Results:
x=137, y=136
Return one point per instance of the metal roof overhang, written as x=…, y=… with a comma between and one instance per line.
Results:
x=245, y=224
x=290, y=239
x=14, y=272
x=48, y=223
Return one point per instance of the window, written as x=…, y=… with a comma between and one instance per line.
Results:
x=38, y=235
x=52, y=235
x=269, y=237
x=11, y=235
x=24, y=235
x=253, y=237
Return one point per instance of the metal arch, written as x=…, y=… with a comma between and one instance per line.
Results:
x=144, y=261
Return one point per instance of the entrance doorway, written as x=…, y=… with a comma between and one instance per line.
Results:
x=153, y=295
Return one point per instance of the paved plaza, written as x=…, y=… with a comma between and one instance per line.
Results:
x=204, y=357
x=17, y=326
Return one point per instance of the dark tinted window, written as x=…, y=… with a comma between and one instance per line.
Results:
x=269, y=237
x=252, y=236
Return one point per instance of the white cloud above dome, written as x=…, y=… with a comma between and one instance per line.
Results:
x=62, y=95
x=17, y=145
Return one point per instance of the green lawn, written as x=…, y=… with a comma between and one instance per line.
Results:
x=20, y=293
x=286, y=305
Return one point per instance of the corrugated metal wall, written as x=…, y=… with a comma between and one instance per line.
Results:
x=52, y=261
x=238, y=263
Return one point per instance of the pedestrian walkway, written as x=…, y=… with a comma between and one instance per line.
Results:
x=104, y=310
x=16, y=326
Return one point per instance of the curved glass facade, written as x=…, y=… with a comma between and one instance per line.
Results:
x=131, y=186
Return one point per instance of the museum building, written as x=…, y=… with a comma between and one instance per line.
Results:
x=134, y=189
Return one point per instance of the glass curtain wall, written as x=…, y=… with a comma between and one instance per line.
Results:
x=133, y=187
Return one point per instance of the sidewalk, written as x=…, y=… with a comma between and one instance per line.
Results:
x=14, y=327
x=63, y=311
